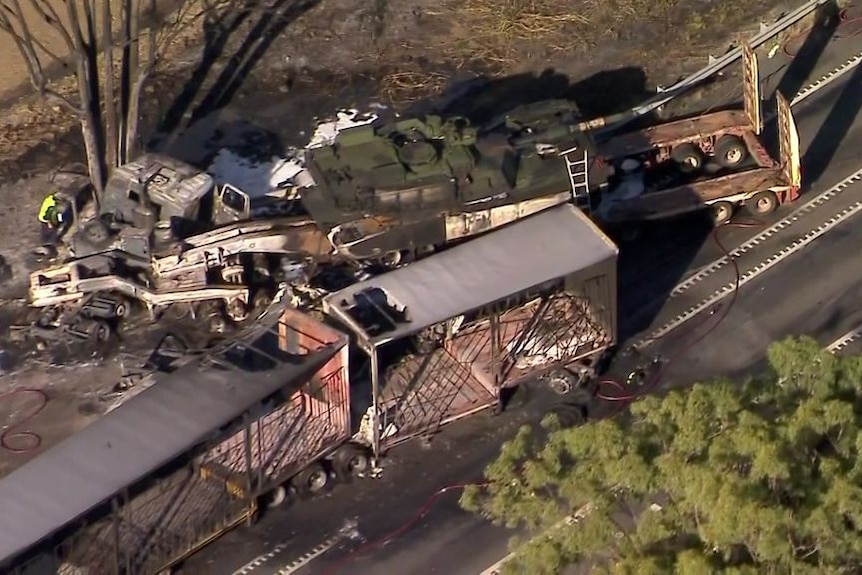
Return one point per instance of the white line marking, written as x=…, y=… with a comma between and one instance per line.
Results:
x=260, y=560
x=348, y=531
x=310, y=556
x=814, y=203
x=827, y=79
x=845, y=340
x=569, y=521
x=764, y=265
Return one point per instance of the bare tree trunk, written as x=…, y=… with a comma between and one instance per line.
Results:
x=142, y=75
x=90, y=126
x=130, y=45
x=111, y=127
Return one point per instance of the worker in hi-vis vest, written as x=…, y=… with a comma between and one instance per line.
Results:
x=52, y=216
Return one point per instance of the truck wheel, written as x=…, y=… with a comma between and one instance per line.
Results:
x=688, y=157
x=560, y=381
x=312, y=480
x=731, y=151
x=236, y=310
x=763, y=203
x=277, y=497
x=721, y=212
x=121, y=309
x=350, y=460
x=102, y=332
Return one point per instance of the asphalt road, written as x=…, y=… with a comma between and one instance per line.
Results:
x=814, y=291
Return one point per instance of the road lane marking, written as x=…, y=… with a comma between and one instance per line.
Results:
x=309, y=556
x=348, y=531
x=845, y=340
x=827, y=79
x=260, y=560
x=567, y=521
x=765, y=264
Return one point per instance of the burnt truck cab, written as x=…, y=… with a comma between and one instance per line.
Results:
x=385, y=189
x=155, y=199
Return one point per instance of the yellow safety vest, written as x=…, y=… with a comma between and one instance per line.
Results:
x=48, y=203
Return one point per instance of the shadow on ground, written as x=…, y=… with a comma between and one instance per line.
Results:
x=219, y=29
x=481, y=99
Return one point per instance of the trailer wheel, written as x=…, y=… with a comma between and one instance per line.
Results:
x=236, y=310
x=312, y=480
x=731, y=151
x=721, y=212
x=121, y=307
x=763, y=203
x=350, y=460
x=688, y=157
x=277, y=497
x=560, y=381
x=102, y=332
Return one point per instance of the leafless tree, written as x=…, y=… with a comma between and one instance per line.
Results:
x=107, y=99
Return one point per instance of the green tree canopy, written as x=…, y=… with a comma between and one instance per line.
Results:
x=761, y=477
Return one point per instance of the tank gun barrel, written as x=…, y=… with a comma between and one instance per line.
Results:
x=563, y=131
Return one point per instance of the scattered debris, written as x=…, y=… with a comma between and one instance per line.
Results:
x=324, y=134
x=257, y=179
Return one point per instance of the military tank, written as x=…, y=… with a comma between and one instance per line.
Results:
x=390, y=190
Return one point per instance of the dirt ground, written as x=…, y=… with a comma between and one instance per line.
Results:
x=256, y=81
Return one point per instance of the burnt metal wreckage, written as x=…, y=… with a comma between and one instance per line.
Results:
x=480, y=263
x=283, y=410
x=377, y=195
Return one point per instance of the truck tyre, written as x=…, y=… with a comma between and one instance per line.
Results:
x=236, y=310
x=350, y=460
x=688, y=157
x=121, y=308
x=277, y=497
x=762, y=203
x=312, y=480
x=102, y=332
x=731, y=151
x=721, y=213
x=561, y=381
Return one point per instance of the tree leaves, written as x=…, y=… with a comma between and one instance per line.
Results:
x=760, y=477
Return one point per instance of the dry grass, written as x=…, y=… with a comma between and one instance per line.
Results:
x=406, y=86
x=495, y=31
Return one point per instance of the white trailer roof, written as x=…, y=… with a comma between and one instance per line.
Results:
x=552, y=244
x=153, y=428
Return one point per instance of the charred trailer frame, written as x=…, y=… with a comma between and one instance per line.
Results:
x=447, y=335
x=185, y=460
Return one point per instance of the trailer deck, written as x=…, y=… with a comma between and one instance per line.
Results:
x=703, y=127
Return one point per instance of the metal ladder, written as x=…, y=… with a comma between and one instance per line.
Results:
x=578, y=170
